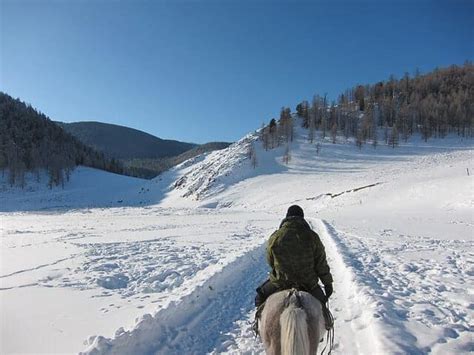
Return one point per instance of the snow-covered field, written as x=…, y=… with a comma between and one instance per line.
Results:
x=113, y=264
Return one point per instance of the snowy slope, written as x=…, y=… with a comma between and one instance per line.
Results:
x=87, y=187
x=170, y=265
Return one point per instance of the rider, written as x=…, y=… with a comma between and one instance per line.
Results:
x=298, y=260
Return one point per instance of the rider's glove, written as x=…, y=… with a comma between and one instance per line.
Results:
x=328, y=290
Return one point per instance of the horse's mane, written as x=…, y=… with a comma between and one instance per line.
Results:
x=294, y=335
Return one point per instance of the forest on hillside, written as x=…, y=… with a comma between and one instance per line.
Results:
x=433, y=105
x=150, y=168
x=31, y=142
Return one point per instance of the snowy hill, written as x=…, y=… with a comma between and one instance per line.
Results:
x=170, y=265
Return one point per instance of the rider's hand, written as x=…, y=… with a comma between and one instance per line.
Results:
x=328, y=290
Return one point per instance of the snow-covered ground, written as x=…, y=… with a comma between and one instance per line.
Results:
x=113, y=264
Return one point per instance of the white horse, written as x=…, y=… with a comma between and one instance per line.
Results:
x=292, y=323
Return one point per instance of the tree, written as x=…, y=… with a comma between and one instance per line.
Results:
x=385, y=133
x=12, y=161
x=20, y=175
x=302, y=109
x=272, y=129
x=266, y=138
x=318, y=148
x=252, y=155
x=334, y=132
x=312, y=126
x=323, y=125
x=393, y=140
x=287, y=154
x=359, y=140
x=375, y=141
x=261, y=132
x=360, y=97
x=285, y=126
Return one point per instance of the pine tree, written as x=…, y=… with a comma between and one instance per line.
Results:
x=273, y=133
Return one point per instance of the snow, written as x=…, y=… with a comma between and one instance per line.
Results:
x=113, y=264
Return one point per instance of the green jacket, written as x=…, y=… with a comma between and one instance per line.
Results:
x=297, y=256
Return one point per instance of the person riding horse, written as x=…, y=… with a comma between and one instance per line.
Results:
x=298, y=260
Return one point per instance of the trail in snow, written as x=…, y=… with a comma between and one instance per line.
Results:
x=354, y=325
x=216, y=317
x=198, y=323
x=378, y=300
x=356, y=331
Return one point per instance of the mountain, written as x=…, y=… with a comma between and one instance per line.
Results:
x=123, y=142
x=143, y=155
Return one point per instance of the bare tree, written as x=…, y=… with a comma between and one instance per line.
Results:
x=334, y=132
x=359, y=139
x=375, y=140
x=252, y=154
x=287, y=154
x=393, y=139
x=312, y=126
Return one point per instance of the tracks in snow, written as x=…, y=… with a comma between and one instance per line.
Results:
x=411, y=283
x=356, y=331
x=198, y=322
x=215, y=316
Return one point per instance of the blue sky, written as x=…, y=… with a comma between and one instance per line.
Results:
x=214, y=70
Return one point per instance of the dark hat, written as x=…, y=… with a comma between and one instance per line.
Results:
x=295, y=210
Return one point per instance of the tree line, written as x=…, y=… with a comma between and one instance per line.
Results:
x=31, y=142
x=433, y=105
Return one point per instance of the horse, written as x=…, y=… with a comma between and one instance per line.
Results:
x=292, y=323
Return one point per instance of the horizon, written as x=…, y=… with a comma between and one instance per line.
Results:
x=192, y=72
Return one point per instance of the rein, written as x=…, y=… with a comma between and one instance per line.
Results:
x=330, y=333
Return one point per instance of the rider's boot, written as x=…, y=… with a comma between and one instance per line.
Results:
x=263, y=292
